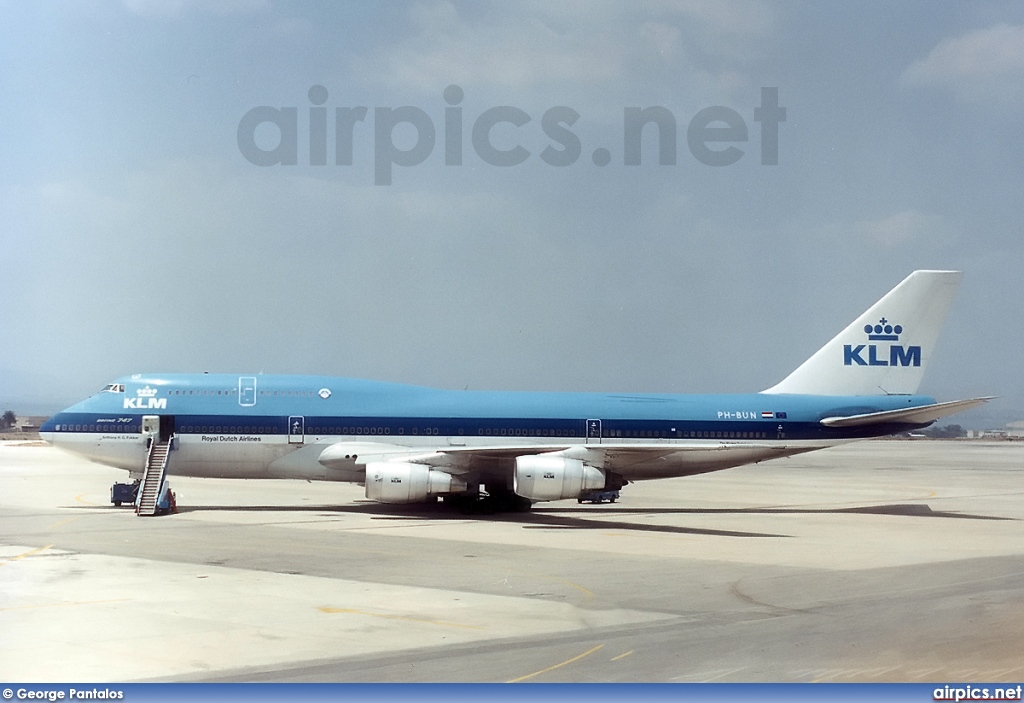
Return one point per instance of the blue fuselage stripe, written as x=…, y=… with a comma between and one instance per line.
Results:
x=473, y=427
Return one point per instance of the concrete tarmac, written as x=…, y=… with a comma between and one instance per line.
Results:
x=877, y=561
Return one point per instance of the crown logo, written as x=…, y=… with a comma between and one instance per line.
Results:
x=884, y=331
x=146, y=392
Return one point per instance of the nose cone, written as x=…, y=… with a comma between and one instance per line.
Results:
x=49, y=429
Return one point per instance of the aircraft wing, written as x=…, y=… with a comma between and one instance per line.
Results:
x=920, y=414
x=633, y=461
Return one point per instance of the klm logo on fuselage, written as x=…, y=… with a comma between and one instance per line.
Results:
x=879, y=354
x=146, y=400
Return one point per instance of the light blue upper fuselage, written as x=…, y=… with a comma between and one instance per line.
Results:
x=263, y=403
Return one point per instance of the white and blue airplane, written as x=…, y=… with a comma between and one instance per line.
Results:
x=508, y=450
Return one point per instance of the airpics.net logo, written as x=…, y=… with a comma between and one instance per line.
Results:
x=877, y=355
x=712, y=134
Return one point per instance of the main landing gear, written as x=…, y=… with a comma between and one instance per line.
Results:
x=489, y=501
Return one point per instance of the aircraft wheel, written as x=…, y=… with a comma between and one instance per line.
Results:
x=521, y=505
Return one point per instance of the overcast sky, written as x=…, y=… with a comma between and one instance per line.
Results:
x=137, y=236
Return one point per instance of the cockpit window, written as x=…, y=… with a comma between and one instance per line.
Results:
x=113, y=388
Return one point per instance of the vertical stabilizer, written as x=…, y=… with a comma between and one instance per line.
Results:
x=886, y=349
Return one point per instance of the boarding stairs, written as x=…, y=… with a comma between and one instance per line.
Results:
x=153, y=478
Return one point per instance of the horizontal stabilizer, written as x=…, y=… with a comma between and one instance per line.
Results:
x=921, y=414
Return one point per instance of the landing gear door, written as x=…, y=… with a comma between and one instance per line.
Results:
x=296, y=429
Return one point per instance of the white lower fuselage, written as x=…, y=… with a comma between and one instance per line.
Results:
x=275, y=457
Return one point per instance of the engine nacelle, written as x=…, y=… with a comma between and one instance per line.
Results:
x=539, y=477
x=401, y=482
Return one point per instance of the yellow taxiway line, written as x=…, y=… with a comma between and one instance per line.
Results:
x=26, y=554
x=557, y=666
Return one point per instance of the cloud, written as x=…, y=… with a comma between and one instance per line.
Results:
x=735, y=17
x=177, y=8
x=533, y=45
x=903, y=228
x=448, y=48
x=986, y=64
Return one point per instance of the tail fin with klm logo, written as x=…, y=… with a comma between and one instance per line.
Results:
x=884, y=351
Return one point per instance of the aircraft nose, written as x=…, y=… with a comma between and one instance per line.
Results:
x=48, y=431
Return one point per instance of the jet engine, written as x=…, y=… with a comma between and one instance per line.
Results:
x=539, y=477
x=401, y=482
